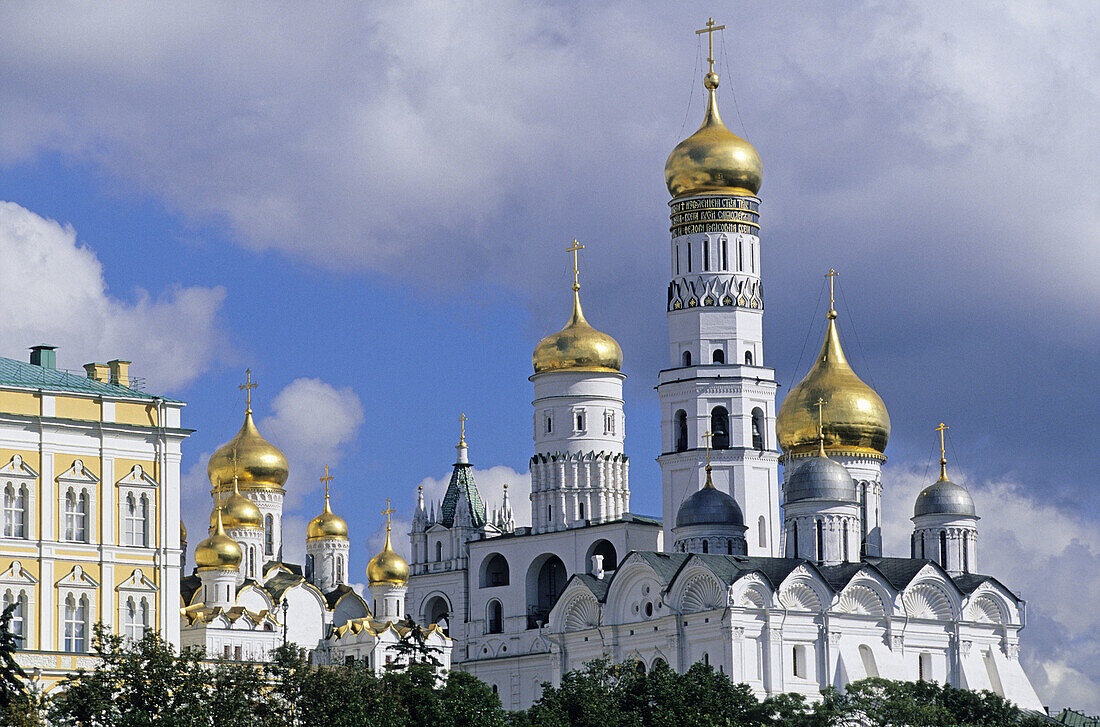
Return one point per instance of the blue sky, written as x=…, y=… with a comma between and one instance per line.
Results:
x=368, y=206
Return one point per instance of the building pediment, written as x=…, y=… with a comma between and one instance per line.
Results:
x=78, y=474
x=77, y=578
x=137, y=582
x=16, y=575
x=16, y=467
x=137, y=477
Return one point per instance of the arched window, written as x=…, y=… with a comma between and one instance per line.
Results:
x=686, y=358
x=496, y=617
x=718, y=357
x=607, y=550
x=725, y=255
x=820, y=542
x=924, y=666
x=269, y=535
x=132, y=628
x=844, y=533
x=748, y=358
x=706, y=658
x=76, y=624
x=438, y=551
x=943, y=549
x=15, y=511
x=494, y=571
x=76, y=516
x=339, y=569
x=18, y=615
x=762, y=531
x=436, y=611
x=794, y=540
x=868, y=658
x=966, y=554
x=706, y=546
x=545, y=581
x=135, y=516
x=681, y=431
x=309, y=565
x=720, y=428
x=758, y=429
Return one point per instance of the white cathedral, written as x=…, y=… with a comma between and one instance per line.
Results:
x=781, y=584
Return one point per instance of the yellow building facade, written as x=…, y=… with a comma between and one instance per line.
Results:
x=90, y=521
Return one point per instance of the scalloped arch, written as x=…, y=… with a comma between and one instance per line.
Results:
x=582, y=613
x=987, y=610
x=800, y=597
x=927, y=601
x=703, y=593
x=861, y=600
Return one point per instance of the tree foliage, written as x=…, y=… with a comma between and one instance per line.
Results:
x=147, y=683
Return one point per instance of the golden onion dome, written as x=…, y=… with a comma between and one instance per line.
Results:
x=219, y=551
x=577, y=347
x=388, y=566
x=713, y=160
x=327, y=525
x=239, y=512
x=259, y=464
x=183, y=532
x=854, y=420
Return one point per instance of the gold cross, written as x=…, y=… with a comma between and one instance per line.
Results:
x=326, y=479
x=707, y=437
x=387, y=512
x=462, y=428
x=247, y=387
x=575, y=248
x=710, y=30
x=820, y=404
x=831, y=275
x=943, y=451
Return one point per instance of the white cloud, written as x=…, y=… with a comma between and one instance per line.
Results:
x=1048, y=556
x=54, y=292
x=312, y=422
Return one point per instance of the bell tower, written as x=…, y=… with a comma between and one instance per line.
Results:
x=716, y=379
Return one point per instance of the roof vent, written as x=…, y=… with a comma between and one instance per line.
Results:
x=44, y=356
x=120, y=372
x=97, y=371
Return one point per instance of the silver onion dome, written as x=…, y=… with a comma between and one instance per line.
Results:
x=944, y=497
x=709, y=506
x=820, y=478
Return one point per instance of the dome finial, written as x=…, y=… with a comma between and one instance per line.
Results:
x=710, y=81
x=325, y=480
x=706, y=440
x=247, y=388
x=831, y=275
x=821, y=426
x=388, y=566
x=327, y=524
x=943, y=451
x=463, y=449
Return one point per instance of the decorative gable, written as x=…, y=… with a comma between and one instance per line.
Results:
x=15, y=574
x=137, y=582
x=78, y=474
x=77, y=578
x=16, y=467
x=137, y=477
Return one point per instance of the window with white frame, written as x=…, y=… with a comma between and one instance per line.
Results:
x=136, y=517
x=76, y=515
x=609, y=422
x=548, y=423
x=18, y=614
x=15, y=510
x=75, y=624
x=579, y=420
x=269, y=535
x=134, y=618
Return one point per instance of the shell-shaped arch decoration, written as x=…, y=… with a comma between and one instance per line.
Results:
x=800, y=597
x=861, y=600
x=927, y=601
x=986, y=610
x=702, y=594
x=583, y=613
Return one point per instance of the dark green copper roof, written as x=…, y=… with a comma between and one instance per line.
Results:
x=462, y=481
x=32, y=376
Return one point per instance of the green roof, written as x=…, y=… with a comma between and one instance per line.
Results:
x=462, y=482
x=32, y=376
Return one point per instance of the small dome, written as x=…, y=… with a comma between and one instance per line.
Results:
x=388, y=566
x=239, y=512
x=327, y=525
x=944, y=497
x=577, y=347
x=854, y=421
x=820, y=478
x=713, y=160
x=709, y=506
x=219, y=551
x=259, y=466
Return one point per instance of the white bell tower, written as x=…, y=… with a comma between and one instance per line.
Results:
x=716, y=379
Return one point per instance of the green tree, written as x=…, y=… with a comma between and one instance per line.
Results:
x=18, y=707
x=413, y=646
